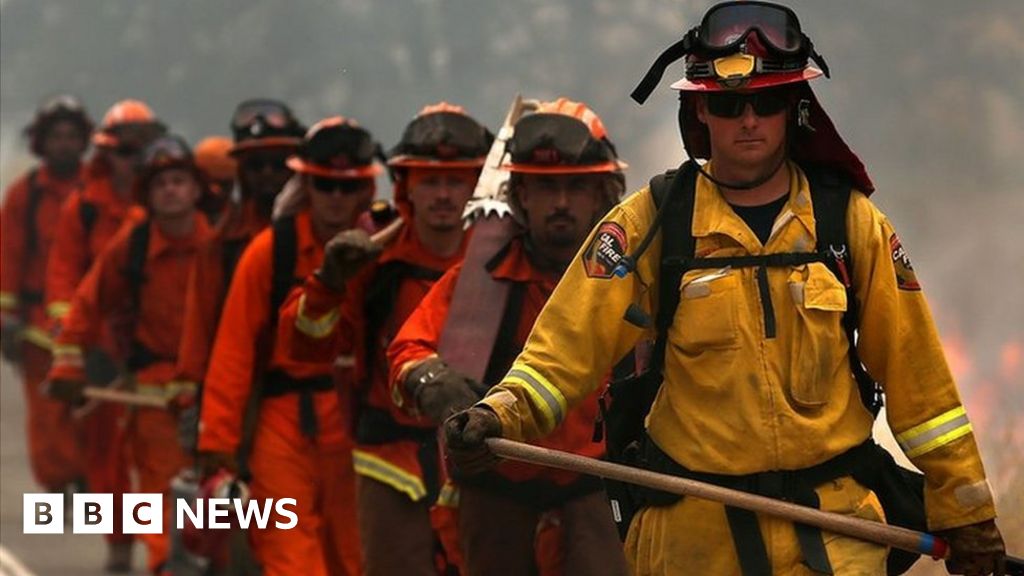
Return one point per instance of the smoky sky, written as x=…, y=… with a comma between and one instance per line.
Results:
x=928, y=92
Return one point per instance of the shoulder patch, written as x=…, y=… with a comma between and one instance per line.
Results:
x=906, y=279
x=605, y=251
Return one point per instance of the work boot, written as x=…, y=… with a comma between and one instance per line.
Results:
x=119, y=557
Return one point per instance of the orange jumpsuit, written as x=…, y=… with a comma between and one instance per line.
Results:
x=207, y=288
x=75, y=247
x=53, y=451
x=535, y=488
x=285, y=462
x=155, y=312
x=317, y=323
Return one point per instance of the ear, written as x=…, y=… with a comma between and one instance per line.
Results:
x=702, y=108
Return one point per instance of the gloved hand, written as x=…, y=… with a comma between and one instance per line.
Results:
x=344, y=256
x=440, y=391
x=210, y=462
x=66, y=390
x=975, y=549
x=11, y=329
x=464, y=434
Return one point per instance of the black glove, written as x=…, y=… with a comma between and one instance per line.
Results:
x=71, y=391
x=344, y=256
x=440, y=391
x=464, y=434
x=10, y=339
x=975, y=549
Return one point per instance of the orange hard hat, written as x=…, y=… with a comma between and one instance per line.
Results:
x=562, y=137
x=442, y=135
x=128, y=121
x=213, y=158
x=339, y=148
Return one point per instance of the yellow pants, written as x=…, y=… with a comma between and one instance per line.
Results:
x=692, y=537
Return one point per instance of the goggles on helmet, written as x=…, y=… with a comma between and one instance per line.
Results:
x=557, y=140
x=727, y=25
x=341, y=147
x=730, y=28
x=261, y=118
x=166, y=151
x=444, y=136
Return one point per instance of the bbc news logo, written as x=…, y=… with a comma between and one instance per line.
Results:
x=144, y=513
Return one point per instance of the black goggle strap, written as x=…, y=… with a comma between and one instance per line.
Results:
x=671, y=55
x=817, y=58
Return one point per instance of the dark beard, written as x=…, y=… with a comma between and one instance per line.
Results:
x=62, y=168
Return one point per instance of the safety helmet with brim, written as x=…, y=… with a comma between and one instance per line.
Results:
x=442, y=135
x=262, y=123
x=337, y=148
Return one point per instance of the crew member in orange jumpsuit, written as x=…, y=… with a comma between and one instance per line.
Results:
x=300, y=442
x=58, y=135
x=436, y=166
x=213, y=157
x=557, y=197
x=265, y=134
x=142, y=274
x=86, y=223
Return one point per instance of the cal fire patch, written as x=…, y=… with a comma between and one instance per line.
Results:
x=905, y=277
x=605, y=250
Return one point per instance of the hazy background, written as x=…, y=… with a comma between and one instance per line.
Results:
x=930, y=93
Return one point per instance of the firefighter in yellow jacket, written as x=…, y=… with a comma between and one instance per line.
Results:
x=756, y=373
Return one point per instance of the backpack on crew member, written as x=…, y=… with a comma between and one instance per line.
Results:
x=627, y=402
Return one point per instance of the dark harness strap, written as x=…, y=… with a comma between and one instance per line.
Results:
x=830, y=198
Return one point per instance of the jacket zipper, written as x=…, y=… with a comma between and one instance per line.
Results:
x=766, y=302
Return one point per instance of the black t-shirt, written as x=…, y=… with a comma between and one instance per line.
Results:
x=761, y=218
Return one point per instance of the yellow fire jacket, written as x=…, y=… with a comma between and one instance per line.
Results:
x=735, y=401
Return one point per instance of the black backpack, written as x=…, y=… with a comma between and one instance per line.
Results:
x=626, y=403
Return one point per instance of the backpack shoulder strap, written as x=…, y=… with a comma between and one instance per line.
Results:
x=138, y=246
x=830, y=196
x=674, y=192
x=285, y=248
x=88, y=213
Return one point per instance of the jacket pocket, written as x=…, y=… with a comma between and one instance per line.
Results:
x=819, y=343
x=707, y=315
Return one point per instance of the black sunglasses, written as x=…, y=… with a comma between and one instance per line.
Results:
x=127, y=150
x=732, y=104
x=346, y=186
x=258, y=164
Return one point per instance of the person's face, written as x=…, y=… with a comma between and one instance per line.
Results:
x=750, y=140
x=262, y=173
x=438, y=196
x=561, y=208
x=173, y=192
x=336, y=203
x=63, y=146
x=124, y=160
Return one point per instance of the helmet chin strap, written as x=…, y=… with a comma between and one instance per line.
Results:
x=748, y=185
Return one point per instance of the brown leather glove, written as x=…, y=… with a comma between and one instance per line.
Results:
x=440, y=391
x=67, y=390
x=210, y=462
x=975, y=549
x=344, y=256
x=464, y=434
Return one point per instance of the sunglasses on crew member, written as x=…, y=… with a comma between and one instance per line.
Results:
x=346, y=186
x=259, y=163
x=127, y=150
x=732, y=104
